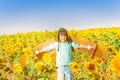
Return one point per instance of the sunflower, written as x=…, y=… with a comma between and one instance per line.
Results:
x=39, y=66
x=115, y=65
x=74, y=67
x=91, y=67
x=91, y=58
x=2, y=61
x=47, y=58
x=17, y=68
x=23, y=60
x=27, y=52
x=98, y=61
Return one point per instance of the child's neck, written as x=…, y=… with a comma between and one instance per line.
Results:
x=63, y=41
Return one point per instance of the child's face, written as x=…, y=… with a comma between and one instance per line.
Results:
x=62, y=38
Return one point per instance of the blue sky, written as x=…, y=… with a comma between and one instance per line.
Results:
x=39, y=15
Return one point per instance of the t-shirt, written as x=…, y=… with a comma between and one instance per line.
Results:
x=63, y=51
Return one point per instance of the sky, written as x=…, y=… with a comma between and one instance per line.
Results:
x=40, y=15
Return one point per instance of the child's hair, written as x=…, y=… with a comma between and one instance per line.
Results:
x=63, y=31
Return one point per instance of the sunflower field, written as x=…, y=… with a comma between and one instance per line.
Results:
x=17, y=60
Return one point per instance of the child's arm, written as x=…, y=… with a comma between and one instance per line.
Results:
x=47, y=48
x=76, y=45
x=87, y=47
x=39, y=51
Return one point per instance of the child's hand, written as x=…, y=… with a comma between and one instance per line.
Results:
x=37, y=52
x=89, y=47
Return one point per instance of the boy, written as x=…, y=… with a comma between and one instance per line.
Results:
x=63, y=53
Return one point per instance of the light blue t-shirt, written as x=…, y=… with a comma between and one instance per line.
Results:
x=63, y=51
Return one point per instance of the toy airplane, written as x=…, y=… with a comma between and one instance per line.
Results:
x=98, y=51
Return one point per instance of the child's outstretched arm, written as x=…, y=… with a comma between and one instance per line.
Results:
x=87, y=47
x=39, y=51
x=47, y=48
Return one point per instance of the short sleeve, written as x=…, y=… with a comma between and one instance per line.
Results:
x=75, y=45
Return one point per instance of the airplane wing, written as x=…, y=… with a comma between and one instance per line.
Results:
x=42, y=45
x=98, y=52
